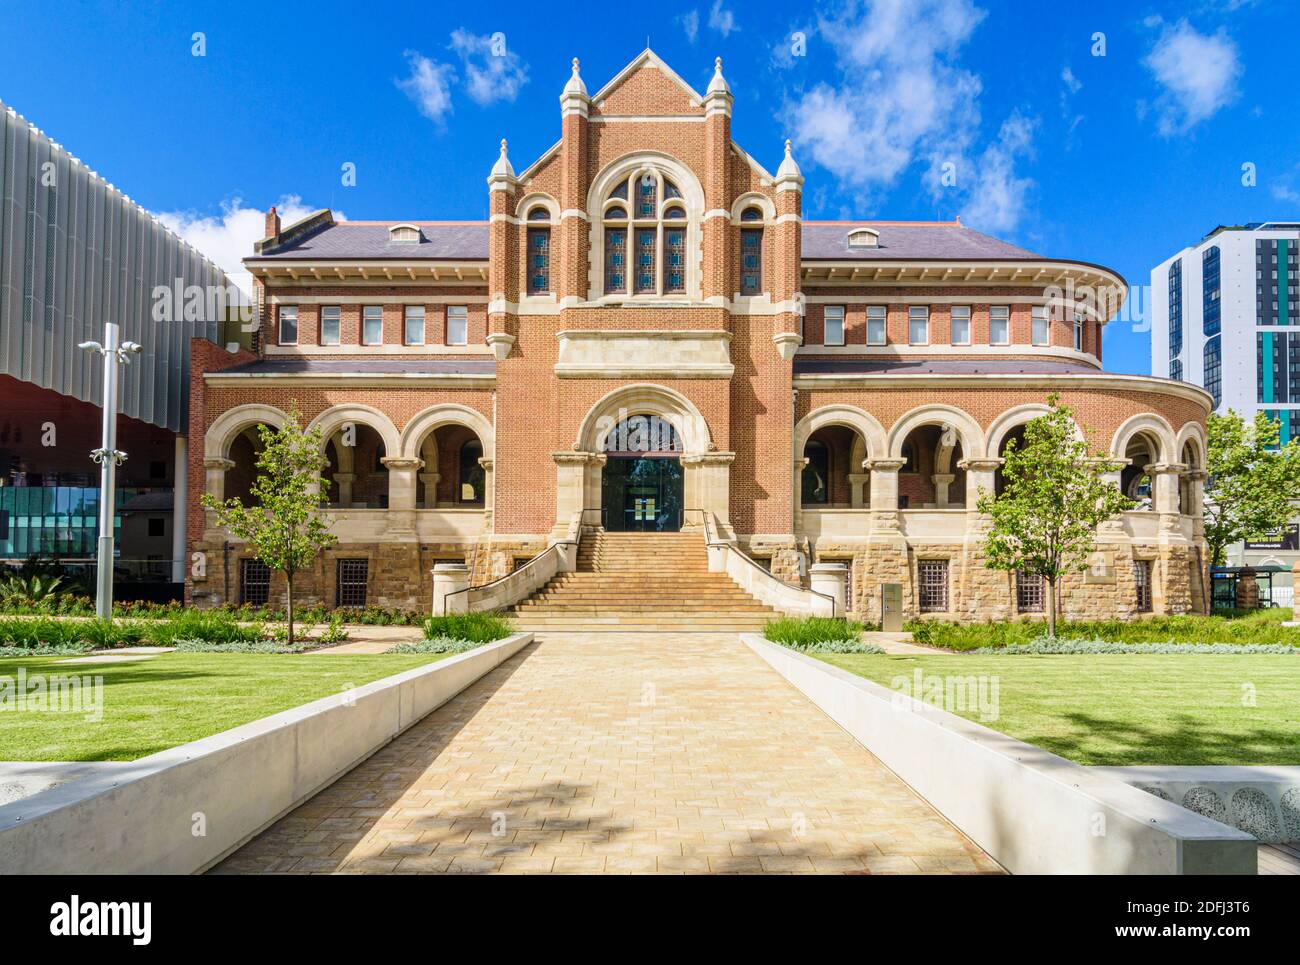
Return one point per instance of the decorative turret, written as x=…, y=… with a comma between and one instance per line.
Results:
x=502, y=177
x=788, y=175
x=717, y=99
x=574, y=100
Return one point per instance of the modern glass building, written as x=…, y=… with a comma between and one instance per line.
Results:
x=75, y=253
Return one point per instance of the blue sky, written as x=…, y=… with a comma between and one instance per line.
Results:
x=1119, y=159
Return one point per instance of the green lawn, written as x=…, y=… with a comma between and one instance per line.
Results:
x=150, y=705
x=1102, y=709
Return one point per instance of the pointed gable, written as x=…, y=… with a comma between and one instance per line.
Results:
x=646, y=87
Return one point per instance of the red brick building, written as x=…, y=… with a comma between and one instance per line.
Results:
x=646, y=330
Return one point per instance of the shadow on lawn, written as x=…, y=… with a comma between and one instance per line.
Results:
x=1183, y=740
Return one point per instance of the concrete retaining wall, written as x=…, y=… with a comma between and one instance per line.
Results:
x=1262, y=801
x=1034, y=812
x=141, y=818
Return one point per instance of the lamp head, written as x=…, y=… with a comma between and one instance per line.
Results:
x=91, y=346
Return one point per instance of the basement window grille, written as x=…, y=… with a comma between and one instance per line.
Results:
x=1142, y=577
x=1029, y=592
x=254, y=583
x=351, y=584
x=932, y=579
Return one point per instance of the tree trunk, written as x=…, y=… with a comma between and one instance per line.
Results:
x=289, y=605
x=1051, y=607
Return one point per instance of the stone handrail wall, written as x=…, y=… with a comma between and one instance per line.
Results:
x=560, y=557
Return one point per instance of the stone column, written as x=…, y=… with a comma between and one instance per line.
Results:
x=570, y=486
x=1247, y=589
x=430, y=482
x=489, y=488
x=941, y=480
x=857, y=483
x=884, y=491
x=980, y=474
x=708, y=485
x=401, y=481
x=885, y=558
x=448, y=580
x=345, y=481
x=1164, y=486
x=828, y=578
x=215, y=470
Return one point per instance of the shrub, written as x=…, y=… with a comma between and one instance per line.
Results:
x=473, y=627
x=440, y=645
x=1245, y=627
x=212, y=626
x=819, y=635
x=1058, y=645
x=237, y=646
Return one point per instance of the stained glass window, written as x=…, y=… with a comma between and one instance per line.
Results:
x=751, y=261
x=674, y=259
x=539, y=260
x=647, y=197
x=615, y=260
x=645, y=261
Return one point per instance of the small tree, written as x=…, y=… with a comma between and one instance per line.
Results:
x=1252, y=481
x=284, y=528
x=1045, y=520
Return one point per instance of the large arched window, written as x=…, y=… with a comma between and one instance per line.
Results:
x=645, y=225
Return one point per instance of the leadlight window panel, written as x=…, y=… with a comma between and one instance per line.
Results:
x=1040, y=325
x=674, y=259
x=1142, y=578
x=751, y=261
x=918, y=325
x=539, y=260
x=352, y=575
x=670, y=190
x=615, y=260
x=254, y=582
x=1029, y=592
x=932, y=585
x=1078, y=331
x=539, y=213
x=372, y=325
x=644, y=272
x=647, y=197
x=876, y=316
x=751, y=214
x=833, y=325
x=414, y=325
x=457, y=325
x=620, y=191
x=330, y=327
x=960, y=324
x=999, y=325
x=288, y=324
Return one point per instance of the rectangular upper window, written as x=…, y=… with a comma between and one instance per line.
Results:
x=1041, y=325
x=999, y=325
x=833, y=325
x=372, y=325
x=539, y=261
x=961, y=325
x=329, y=324
x=414, y=328
x=876, y=325
x=1078, y=331
x=918, y=325
x=751, y=261
x=457, y=325
x=288, y=324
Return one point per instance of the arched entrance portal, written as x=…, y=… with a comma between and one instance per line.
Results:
x=642, y=484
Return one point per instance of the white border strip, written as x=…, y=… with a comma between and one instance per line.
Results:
x=1032, y=811
x=140, y=819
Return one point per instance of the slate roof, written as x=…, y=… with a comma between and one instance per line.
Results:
x=866, y=365
x=364, y=366
x=822, y=240
x=931, y=241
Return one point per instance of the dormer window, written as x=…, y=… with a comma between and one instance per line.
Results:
x=404, y=234
x=864, y=238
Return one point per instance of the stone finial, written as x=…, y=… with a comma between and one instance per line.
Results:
x=575, y=84
x=788, y=168
x=718, y=85
x=503, y=167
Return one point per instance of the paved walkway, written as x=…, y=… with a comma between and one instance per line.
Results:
x=615, y=753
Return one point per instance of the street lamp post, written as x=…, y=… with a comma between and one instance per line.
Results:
x=109, y=457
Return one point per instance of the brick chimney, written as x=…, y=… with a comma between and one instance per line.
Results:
x=272, y=223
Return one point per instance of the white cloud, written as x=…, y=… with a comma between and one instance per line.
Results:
x=1197, y=72
x=722, y=20
x=690, y=22
x=228, y=238
x=1072, y=83
x=429, y=86
x=493, y=72
x=997, y=202
x=899, y=96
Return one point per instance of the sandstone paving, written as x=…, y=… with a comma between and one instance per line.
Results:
x=588, y=753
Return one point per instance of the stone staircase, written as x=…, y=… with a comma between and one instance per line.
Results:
x=642, y=581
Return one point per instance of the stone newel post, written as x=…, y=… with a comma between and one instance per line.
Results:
x=448, y=580
x=828, y=578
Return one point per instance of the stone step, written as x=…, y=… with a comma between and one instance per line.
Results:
x=598, y=607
